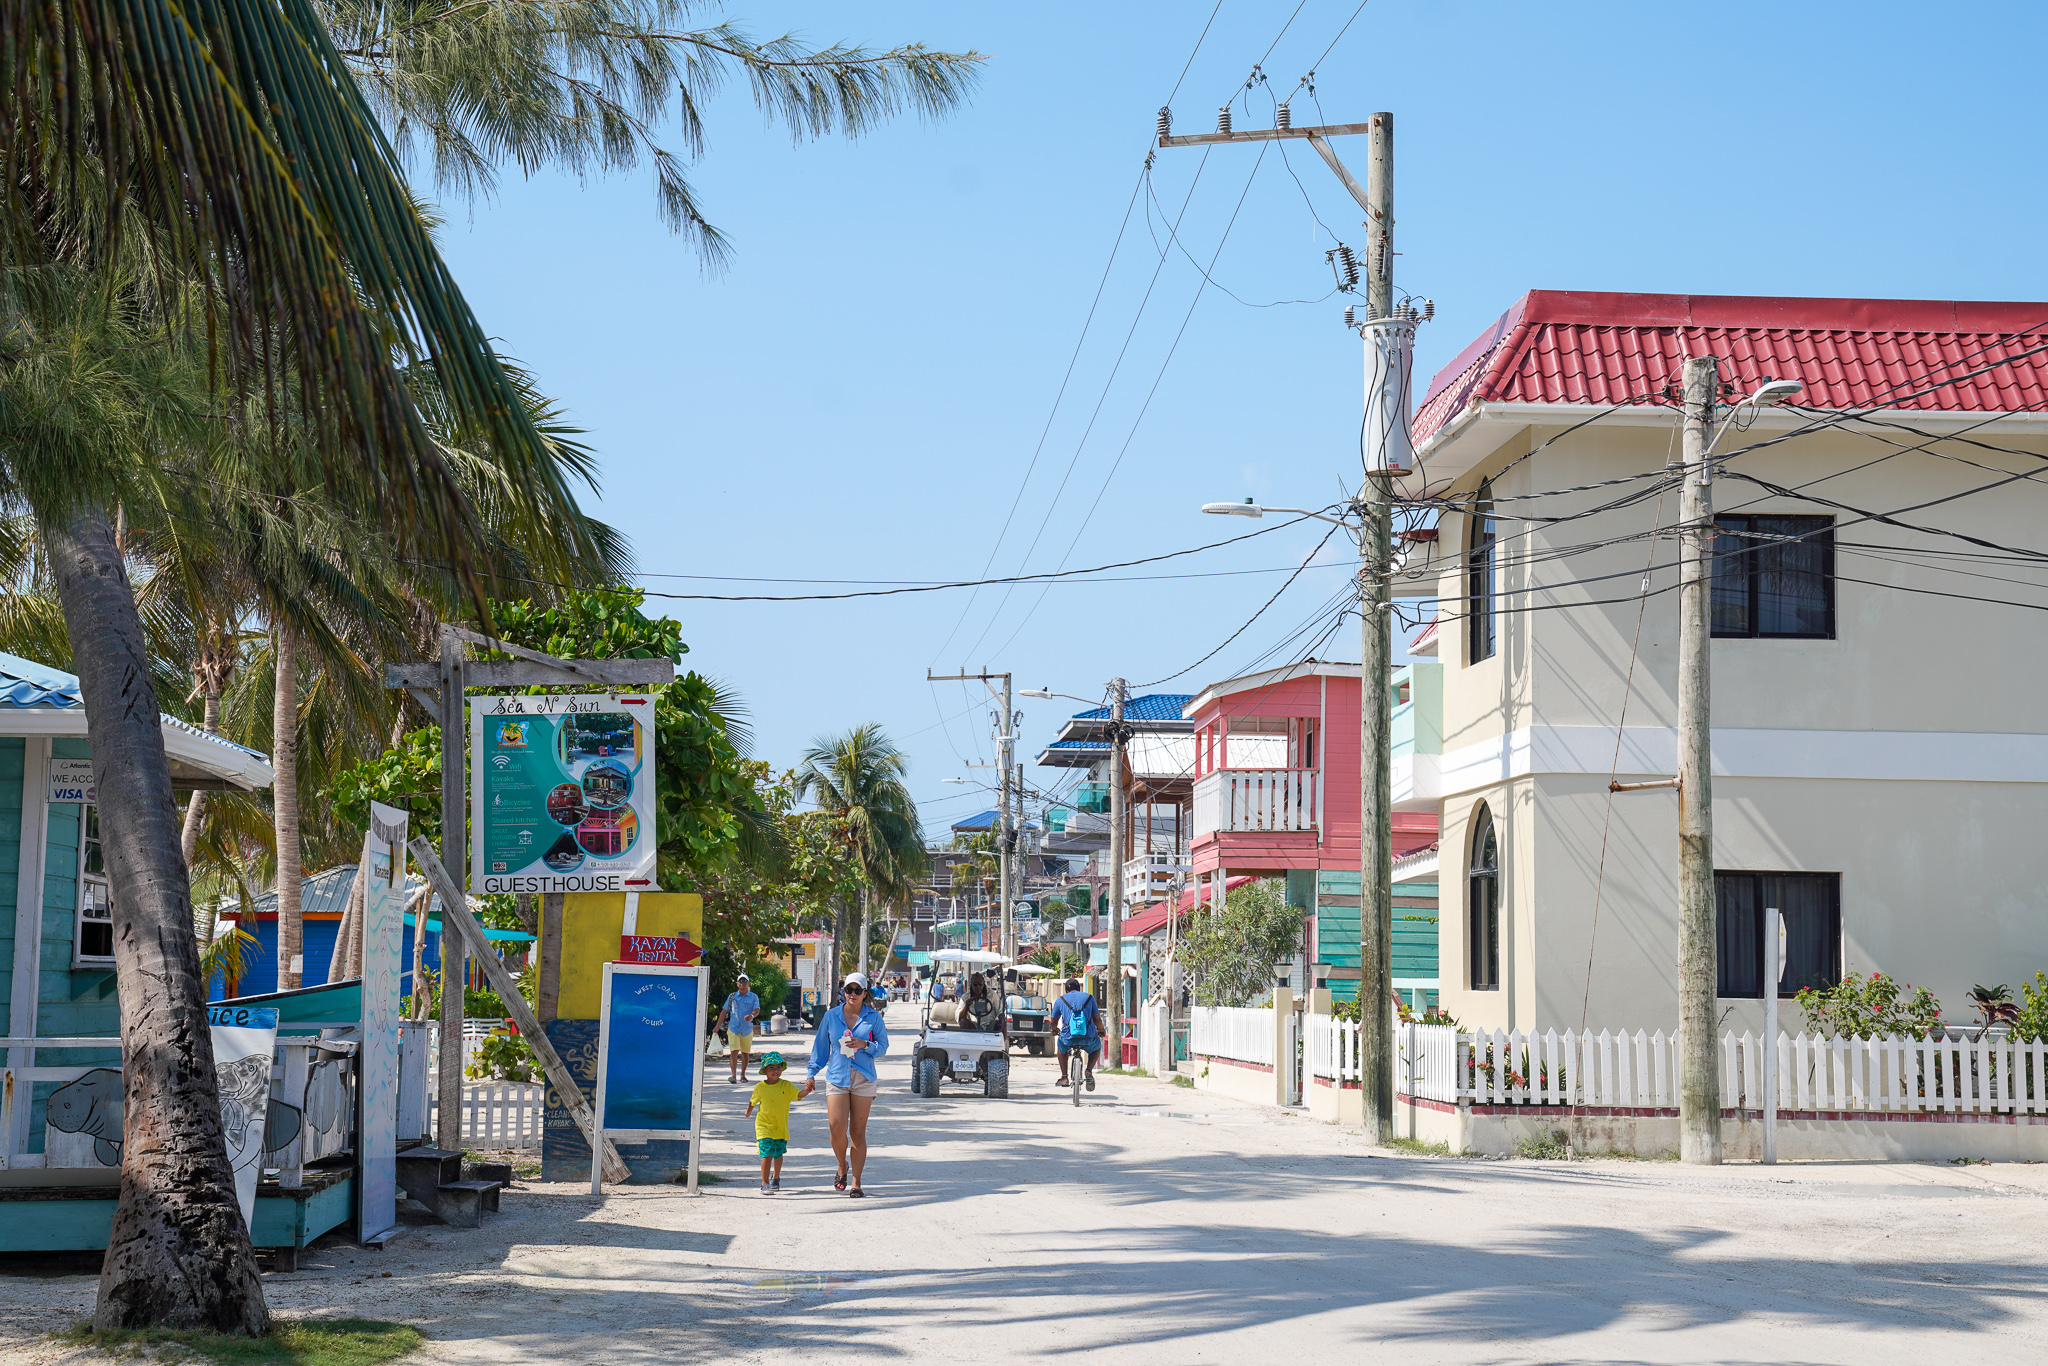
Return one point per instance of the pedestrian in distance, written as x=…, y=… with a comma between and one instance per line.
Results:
x=769, y=1105
x=850, y=1038
x=737, y=1018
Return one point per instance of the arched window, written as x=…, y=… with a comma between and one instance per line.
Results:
x=1482, y=903
x=1479, y=579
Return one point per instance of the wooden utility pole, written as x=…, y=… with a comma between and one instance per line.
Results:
x=1006, y=739
x=1389, y=336
x=438, y=686
x=1113, y=1046
x=1387, y=340
x=1699, y=1081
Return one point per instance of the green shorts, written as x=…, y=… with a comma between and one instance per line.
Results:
x=772, y=1147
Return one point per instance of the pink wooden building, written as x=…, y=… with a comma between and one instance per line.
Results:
x=1276, y=793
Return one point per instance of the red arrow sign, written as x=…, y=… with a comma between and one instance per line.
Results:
x=656, y=948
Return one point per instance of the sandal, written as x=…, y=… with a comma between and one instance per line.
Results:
x=839, y=1184
x=857, y=1194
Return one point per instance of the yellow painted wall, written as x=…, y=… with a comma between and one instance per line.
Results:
x=591, y=925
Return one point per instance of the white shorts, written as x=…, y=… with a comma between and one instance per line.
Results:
x=860, y=1085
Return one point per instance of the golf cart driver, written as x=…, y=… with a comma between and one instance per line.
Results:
x=1077, y=1024
x=963, y=1039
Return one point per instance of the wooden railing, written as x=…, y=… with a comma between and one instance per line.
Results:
x=1257, y=799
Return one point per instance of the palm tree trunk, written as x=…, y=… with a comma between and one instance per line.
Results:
x=195, y=816
x=867, y=903
x=284, y=744
x=178, y=1254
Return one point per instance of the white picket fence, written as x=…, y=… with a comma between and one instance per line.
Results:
x=504, y=1115
x=1498, y=1067
x=1229, y=1032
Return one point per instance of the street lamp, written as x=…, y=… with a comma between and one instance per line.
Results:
x=1250, y=509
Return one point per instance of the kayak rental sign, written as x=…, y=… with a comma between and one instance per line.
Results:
x=562, y=793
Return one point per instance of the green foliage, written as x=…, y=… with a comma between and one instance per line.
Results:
x=505, y=1057
x=1185, y=1082
x=1232, y=953
x=1418, y=1147
x=1872, y=1007
x=2030, y=1023
x=1059, y=960
x=407, y=778
x=1553, y=1147
x=291, y=1342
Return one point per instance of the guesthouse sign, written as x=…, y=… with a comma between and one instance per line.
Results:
x=562, y=793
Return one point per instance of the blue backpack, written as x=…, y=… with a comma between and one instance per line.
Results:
x=1078, y=1024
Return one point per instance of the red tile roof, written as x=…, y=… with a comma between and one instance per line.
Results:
x=1556, y=346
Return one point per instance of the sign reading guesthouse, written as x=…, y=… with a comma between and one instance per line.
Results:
x=562, y=793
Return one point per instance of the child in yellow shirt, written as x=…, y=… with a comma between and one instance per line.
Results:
x=772, y=1097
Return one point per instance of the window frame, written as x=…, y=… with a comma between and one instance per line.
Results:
x=1482, y=904
x=87, y=880
x=1790, y=983
x=1482, y=640
x=1745, y=556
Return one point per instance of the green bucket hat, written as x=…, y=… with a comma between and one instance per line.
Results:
x=773, y=1060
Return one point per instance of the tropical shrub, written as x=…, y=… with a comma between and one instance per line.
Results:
x=1232, y=953
x=1872, y=1007
x=2030, y=1021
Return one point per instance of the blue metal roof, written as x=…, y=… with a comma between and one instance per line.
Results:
x=1102, y=744
x=1158, y=706
x=25, y=683
x=985, y=820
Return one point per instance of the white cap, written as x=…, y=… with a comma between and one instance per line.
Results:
x=856, y=977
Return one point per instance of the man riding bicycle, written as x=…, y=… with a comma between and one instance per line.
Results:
x=1077, y=1020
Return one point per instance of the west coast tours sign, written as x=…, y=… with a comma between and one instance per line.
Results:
x=562, y=793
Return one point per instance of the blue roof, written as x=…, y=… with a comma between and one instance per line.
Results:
x=25, y=683
x=1079, y=744
x=985, y=820
x=1158, y=706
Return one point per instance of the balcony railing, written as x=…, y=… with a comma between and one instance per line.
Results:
x=1257, y=799
x=1151, y=875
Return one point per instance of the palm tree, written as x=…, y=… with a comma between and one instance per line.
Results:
x=858, y=778
x=578, y=85
x=247, y=179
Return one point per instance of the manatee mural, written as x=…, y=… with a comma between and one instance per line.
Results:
x=91, y=1106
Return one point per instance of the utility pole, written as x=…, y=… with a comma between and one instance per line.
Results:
x=1699, y=1082
x=1117, y=806
x=1006, y=839
x=1389, y=336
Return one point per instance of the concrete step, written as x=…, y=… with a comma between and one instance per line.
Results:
x=462, y=1204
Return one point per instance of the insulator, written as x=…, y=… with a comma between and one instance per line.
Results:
x=1165, y=122
x=1351, y=315
x=1283, y=117
x=1223, y=119
x=1428, y=309
x=1350, y=263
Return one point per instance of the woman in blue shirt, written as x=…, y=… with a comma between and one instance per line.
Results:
x=850, y=1038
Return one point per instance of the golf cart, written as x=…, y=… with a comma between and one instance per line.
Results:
x=1030, y=1014
x=951, y=1044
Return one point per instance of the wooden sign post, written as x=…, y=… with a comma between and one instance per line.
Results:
x=603, y=1155
x=439, y=686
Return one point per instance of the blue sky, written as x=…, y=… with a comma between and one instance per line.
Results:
x=861, y=395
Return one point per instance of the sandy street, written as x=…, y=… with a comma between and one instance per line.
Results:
x=1156, y=1224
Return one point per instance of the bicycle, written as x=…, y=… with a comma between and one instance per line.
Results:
x=1076, y=1068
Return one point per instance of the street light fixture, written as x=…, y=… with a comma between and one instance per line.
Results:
x=1250, y=509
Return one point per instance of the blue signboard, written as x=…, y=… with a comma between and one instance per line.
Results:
x=650, y=1053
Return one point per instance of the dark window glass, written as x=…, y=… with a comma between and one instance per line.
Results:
x=95, y=893
x=1774, y=577
x=1482, y=904
x=1479, y=580
x=1811, y=904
